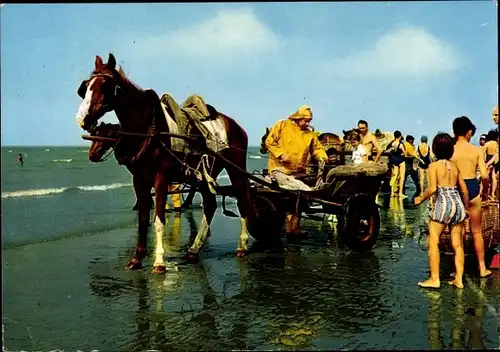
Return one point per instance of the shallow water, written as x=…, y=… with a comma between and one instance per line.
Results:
x=74, y=293
x=65, y=286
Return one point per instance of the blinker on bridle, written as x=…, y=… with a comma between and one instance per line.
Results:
x=83, y=86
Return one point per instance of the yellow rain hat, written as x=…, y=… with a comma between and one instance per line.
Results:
x=304, y=112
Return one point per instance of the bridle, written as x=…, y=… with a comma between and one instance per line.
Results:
x=106, y=107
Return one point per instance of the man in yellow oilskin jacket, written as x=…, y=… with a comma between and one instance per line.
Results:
x=291, y=143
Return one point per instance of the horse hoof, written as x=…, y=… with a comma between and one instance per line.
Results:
x=240, y=253
x=134, y=264
x=159, y=270
x=191, y=257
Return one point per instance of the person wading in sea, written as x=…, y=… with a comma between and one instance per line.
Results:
x=397, y=164
x=424, y=153
x=449, y=209
x=369, y=141
x=410, y=170
x=469, y=158
x=491, y=159
x=291, y=143
x=20, y=159
x=482, y=140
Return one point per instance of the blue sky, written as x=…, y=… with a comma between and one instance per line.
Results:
x=411, y=66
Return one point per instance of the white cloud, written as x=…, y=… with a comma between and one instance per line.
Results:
x=235, y=33
x=405, y=52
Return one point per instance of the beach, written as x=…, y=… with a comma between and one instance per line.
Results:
x=68, y=231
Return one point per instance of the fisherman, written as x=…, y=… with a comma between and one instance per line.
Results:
x=291, y=143
x=369, y=141
x=410, y=169
x=469, y=158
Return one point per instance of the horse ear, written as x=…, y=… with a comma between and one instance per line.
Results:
x=267, y=130
x=98, y=62
x=111, y=62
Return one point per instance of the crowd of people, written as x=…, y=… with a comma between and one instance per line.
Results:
x=454, y=172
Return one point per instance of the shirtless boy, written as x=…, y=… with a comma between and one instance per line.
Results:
x=468, y=158
x=369, y=141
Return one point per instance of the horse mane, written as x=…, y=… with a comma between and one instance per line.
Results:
x=119, y=75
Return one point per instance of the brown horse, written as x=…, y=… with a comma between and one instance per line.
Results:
x=148, y=156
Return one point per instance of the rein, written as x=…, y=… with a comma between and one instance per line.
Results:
x=103, y=139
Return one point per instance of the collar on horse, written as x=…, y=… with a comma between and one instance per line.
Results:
x=152, y=99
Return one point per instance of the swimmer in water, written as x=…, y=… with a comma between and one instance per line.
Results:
x=20, y=160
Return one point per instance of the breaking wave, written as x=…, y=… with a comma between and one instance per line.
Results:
x=53, y=191
x=62, y=160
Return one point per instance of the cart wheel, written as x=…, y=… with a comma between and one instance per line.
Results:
x=268, y=223
x=359, y=223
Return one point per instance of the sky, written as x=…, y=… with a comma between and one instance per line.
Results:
x=411, y=66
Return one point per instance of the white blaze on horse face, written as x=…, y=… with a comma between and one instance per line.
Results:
x=159, y=251
x=242, y=245
x=201, y=237
x=84, y=108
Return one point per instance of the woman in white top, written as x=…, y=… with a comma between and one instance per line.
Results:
x=359, y=154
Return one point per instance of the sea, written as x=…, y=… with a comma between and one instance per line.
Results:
x=68, y=229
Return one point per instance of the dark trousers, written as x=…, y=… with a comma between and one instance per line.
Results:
x=414, y=177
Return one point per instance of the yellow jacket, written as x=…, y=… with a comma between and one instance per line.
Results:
x=410, y=151
x=287, y=138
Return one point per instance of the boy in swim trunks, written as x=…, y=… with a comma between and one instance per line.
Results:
x=469, y=158
x=449, y=209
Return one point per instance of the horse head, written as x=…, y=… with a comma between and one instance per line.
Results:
x=346, y=145
x=263, y=147
x=99, y=93
x=100, y=146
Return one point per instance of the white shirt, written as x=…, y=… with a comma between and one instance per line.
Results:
x=357, y=154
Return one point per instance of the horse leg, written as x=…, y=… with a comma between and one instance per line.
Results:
x=241, y=187
x=161, y=188
x=209, y=207
x=143, y=193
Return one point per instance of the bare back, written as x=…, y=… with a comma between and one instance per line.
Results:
x=447, y=173
x=469, y=158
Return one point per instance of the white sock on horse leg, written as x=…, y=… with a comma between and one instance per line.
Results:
x=159, y=250
x=201, y=237
x=242, y=246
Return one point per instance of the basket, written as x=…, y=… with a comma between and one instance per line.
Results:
x=490, y=230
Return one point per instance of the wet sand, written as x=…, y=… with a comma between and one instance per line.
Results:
x=74, y=294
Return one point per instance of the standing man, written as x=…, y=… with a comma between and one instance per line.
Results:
x=369, y=141
x=469, y=158
x=291, y=143
x=410, y=156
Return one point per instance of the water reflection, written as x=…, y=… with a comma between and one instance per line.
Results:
x=301, y=296
x=304, y=295
x=467, y=330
